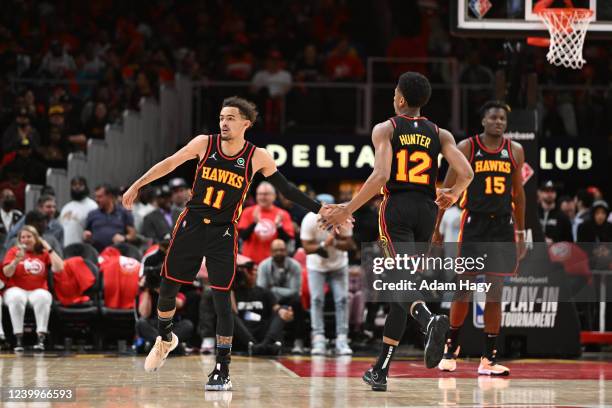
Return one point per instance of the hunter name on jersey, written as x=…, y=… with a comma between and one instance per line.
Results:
x=415, y=139
x=492, y=165
x=222, y=176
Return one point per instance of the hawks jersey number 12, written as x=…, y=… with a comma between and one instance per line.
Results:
x=416, y=146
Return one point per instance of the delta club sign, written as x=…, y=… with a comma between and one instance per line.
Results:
x=356, y=159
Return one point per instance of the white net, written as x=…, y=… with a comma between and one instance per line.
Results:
x=567, y=29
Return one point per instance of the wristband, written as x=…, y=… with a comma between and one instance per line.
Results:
x=520, y=232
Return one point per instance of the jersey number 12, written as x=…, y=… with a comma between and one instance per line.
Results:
x=415, y=174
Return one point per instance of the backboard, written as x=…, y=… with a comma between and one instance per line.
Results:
x=515, y=18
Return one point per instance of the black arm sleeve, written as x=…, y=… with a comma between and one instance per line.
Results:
x=246, y=233
x=282, y=234
x=291, y=192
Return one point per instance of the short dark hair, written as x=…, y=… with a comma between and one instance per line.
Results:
x=415, y=88
x=44, y=198
x=79, y=179
x=494, y=105
x=247, y=109
x=108, y=189
x=48, y=190
x=584, y=196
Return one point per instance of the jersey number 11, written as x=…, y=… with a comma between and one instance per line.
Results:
x=218, y=197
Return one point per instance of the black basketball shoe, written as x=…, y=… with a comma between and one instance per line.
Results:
x=219, y=379
x=435, y=339
x=376, y=378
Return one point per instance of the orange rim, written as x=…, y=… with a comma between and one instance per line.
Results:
x=580, y=13
x=538, y=41
x=564, y=16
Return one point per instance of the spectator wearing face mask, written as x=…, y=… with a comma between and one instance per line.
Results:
x=9, y=215
x=47, y=206
x=74, y=213
x=15, y=183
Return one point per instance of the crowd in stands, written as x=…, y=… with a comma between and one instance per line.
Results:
x=72, y=69
x=296, y=286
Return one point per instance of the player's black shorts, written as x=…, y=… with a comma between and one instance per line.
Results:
x=195, y=237
x=406, y=218
x=490, y=236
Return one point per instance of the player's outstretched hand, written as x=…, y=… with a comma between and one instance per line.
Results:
x=445, y=198
x=333, y=216
x=129, y=197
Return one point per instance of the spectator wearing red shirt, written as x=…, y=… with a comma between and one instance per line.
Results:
x=25, y=267
x=262, y=223
x=343, y=63
x=239, y=63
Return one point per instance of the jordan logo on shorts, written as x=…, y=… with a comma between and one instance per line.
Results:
x=227, y=233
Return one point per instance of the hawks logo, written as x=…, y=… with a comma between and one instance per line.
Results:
x=33, y=266
x=129, y=265
x=265, y=229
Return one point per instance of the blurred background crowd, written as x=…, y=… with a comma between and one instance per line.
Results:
x=71, y=68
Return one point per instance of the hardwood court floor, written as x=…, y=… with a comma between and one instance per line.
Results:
x=109, y=381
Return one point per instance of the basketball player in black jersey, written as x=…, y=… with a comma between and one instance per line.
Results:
x=406, y=168
x=493, y=213
x=207, y=226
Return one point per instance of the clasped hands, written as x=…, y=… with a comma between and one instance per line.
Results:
x=334, y=216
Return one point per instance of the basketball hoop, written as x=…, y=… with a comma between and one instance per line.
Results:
x=567, y=28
